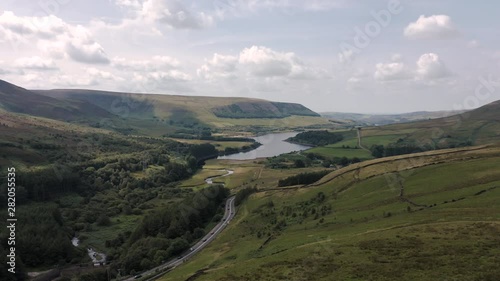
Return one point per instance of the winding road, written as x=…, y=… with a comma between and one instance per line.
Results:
x=156, y=272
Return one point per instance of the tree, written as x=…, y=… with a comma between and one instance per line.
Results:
x=177, y=247
x=378, y=151
x=299, y=163
x=344, y=161
x=103, y=220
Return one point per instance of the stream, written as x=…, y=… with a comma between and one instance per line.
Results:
x=211, y=179
x=96, y=257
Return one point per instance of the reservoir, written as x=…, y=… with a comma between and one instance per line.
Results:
x=272, y=145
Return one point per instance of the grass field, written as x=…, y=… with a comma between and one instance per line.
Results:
x=349, y=147
x=248, y=173
x=370, y=233
x=341, y=152
x=220, y=145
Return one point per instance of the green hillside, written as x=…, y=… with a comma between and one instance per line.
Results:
x=417, y=217
x=475, y=127
x=478, y=126
x=105, y=166
x=162, y=114
x=20, y=100
x=385, y=119
x=262, y=109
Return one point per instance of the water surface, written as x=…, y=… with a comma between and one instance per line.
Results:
x=272, y=145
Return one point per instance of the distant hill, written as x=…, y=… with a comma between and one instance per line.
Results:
x=262, y=109
x=20, y=100
x=385, y=119
x=478, y=126
x=154, y=114
x=157, y=115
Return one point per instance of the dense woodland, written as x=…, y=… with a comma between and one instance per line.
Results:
x=303, y=178
x=303, y=160
x=166, y=233
x=407, y=147
x=243, y=194
x=317, y=138
x=59, y=200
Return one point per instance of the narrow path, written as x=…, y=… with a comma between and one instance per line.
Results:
x=359, y=141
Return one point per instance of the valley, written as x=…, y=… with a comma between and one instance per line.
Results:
x=325, y=200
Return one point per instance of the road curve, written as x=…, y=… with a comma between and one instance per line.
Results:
x=156, y=272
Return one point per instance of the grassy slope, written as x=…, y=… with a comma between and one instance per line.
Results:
x=480, y=126
x=358, y=240
x=163, y=106
x=20, y=100
x=383, y=119
x=22, y=130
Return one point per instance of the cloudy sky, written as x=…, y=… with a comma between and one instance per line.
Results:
x=330, y=55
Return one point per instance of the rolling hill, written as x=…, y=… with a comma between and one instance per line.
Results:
x=408, y=217
x=478, y=126
x=262, y=109
x=165, y=112
x=20, y=100
x=157, y=115
x=385, y=119
x=475, y=127
x=412, y=217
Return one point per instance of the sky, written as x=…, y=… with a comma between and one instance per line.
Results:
x=366, y=56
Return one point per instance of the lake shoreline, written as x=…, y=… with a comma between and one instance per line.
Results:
x=272, y=145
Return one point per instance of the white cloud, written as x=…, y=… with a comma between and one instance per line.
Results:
x=219, y=66
x=358, y=76
x=430, y=67
x=173, y=81
x=65, y=80
x=265, y=62
x=156, y=63
x=225, y=8
x=91, y=53
x=17, y=28
x=53, y=36
x=174, y=14
x=136, y=4
x=2, y=70
x=259, y=62
x=102, y=75
x=162, y=76
x=391, y=71
x=53, y=49
x=81, y=47
x=37, y=63
x=90, y=77
x=432, y=27
x=346, y=56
